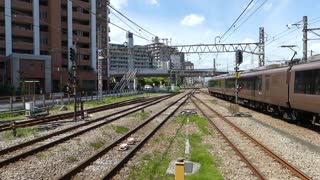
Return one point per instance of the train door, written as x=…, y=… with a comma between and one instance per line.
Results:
x=258, y=93
x=267, y=88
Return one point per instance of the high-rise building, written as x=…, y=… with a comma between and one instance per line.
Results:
x=35, y=37
x=161, y=54
x=189, y=66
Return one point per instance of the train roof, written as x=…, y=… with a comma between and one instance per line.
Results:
x=257, y=72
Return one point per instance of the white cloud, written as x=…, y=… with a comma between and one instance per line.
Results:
x=153, y=2
x=192, y=20
x=267, y=7
x=248, y=40
x=118, y=4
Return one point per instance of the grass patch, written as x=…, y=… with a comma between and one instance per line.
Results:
x=72, y=159
x=200, y=154
x=21, y=132
x=98, y=144
x=201, y=122
x=213, y=101
x=11, y=116
x=110, y=100
x=155, y=164
x=120, y=129
x=142, y=115
x=39, y=155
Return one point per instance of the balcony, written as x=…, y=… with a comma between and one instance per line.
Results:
x=22, y=32
x=2, y=43
x=85, y=51
x=80, y=16
x=82, y=4
x=81, y=39
x=22, y=18
x=21, y=5
x=2, y=30
x=22, y=45
x=81, y=27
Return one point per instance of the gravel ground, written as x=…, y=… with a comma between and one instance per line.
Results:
x=288, y=146
x=106, y=162
x=53, y=127
x=57, y=160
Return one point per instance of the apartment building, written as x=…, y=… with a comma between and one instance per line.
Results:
x=35, y=37
x=189, y=66
x=161, y=54
x=129, y=56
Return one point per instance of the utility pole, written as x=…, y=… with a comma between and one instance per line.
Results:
x=214, y=66
x=100, y=58
x=305, y=39
x=261, y=47
x=108, y=46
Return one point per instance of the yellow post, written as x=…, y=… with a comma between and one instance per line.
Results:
x=179, y=175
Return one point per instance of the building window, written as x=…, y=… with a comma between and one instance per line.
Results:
x=43, y=14
x=44, y=52
x=43, y=40
x=43, y=2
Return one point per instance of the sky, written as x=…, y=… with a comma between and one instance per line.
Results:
x=200, y=21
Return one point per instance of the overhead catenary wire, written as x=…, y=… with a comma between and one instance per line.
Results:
x=256, y=10
x=129, y=26
x=127, y=31
x=237, y=19
x=130, y=20
x=104, y=18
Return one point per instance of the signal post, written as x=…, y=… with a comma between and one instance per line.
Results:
x=239, y=59
x=74, y=81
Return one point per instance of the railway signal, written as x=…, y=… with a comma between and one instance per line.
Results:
x=72, y=55
x=239, y=57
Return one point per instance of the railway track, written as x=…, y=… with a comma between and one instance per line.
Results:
x=295, y=171
x=23, y=150
x=108, y=150
x=42, y=120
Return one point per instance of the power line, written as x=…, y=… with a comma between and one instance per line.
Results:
x=107, y=20
x=126, y=23
x=246, y=19
x=237, y=19
x=127, y=31
x=130, y=20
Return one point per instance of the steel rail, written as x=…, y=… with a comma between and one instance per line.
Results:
x=108, y=175
x=276, y=157
x=27, y=143
x=85, y=163
x=57, y=117
x=255, y=171
x=58, y=141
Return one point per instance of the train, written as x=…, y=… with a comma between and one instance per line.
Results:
x=291, y=91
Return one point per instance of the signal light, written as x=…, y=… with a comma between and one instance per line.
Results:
x=72, y=54
x=239, y=57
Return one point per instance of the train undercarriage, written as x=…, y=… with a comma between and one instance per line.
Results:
x=277, y=111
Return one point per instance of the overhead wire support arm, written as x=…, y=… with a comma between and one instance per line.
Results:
x=252, y=48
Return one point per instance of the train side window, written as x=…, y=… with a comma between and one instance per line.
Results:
x=304, y=82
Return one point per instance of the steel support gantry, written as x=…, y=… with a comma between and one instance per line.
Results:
x=251, y=48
